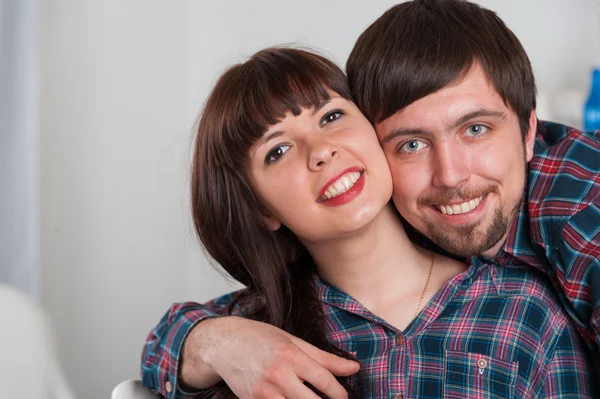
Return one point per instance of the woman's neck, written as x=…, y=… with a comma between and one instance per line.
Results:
x=375, y=263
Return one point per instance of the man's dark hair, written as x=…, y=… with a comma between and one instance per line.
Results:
x=419, y=47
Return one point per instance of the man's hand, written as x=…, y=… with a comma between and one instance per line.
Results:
x=257, y=360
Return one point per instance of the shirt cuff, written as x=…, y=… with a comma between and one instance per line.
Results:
x=165, y=382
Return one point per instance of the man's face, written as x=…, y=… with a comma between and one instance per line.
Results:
x=458, y=164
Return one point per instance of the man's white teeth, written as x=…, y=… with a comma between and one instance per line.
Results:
x=458, y=209
x=341, y=185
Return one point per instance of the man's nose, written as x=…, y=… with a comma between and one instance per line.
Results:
x=450, y=167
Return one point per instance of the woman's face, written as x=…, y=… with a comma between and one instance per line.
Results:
x=321, y=173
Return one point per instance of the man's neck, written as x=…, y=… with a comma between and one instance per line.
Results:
x=494, y=251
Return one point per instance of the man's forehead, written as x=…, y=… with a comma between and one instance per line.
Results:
x=472, y=92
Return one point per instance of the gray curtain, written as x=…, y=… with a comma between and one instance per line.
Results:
x=19, y=145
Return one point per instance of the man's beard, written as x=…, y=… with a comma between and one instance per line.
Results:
x=467, y=241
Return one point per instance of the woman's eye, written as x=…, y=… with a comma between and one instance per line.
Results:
x=276, y=153
x=331, y=116
x=412, y=146
x=477, y=130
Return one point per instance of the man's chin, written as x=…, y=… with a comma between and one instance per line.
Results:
x=461, y=247
x=476, y=240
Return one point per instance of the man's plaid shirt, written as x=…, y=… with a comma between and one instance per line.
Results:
x=557, y=229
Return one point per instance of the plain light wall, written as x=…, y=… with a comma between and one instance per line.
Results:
x=122, y=82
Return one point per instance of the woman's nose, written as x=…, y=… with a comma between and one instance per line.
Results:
x=321, y=153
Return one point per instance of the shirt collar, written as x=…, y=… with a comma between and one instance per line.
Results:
x=519, y=249
x=335, y=297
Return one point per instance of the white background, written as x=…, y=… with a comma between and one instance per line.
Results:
x=121, y=84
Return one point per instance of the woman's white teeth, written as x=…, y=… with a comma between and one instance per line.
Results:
x=341, y=185
x=458, y=209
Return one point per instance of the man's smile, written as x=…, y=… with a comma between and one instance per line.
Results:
x=460, y=208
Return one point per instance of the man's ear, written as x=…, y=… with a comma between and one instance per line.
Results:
x=272, y=223
x=531, y=133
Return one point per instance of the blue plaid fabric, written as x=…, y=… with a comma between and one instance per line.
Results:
x=490, y=332
x=504, y=318
x=557, y=229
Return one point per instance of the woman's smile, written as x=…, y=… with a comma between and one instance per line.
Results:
x=348, y=182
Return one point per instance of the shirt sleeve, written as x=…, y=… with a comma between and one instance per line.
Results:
x=568, y=375
x=579, y=253
x=162, y=351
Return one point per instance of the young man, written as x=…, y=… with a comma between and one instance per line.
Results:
x=451, y=93
x=457, y=122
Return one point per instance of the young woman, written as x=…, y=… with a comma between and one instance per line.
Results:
x=290, y=195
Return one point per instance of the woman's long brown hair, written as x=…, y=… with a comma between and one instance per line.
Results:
x=229, y=219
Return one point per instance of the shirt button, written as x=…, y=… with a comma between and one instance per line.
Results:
x=482, y=363
x=398, y=397
x=399, y=340
x=169, y=387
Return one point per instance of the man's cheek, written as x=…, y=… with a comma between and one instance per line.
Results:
x=404, y=181
x=403, y=204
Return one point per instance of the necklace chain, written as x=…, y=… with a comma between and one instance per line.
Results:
x=426, y=285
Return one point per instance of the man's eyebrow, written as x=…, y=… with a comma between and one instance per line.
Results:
x=463, y=119
x=267, y=137
x=403, y=132
x=476, y=114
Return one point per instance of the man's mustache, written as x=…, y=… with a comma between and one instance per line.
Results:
x=443, y=197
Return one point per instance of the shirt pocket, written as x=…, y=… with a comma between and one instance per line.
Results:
x=473, y=375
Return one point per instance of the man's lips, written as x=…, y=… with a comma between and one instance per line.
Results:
x=458, y=208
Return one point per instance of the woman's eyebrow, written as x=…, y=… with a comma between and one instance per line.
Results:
x=267, y=137
x=320, y=105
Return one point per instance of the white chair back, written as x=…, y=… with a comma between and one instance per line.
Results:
x=131, y=389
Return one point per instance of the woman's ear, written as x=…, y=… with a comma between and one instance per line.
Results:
x=272, y=223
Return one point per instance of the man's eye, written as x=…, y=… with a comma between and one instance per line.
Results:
x=276, y=153
x=412, y=146
x=331, y=116
x=477, y=130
